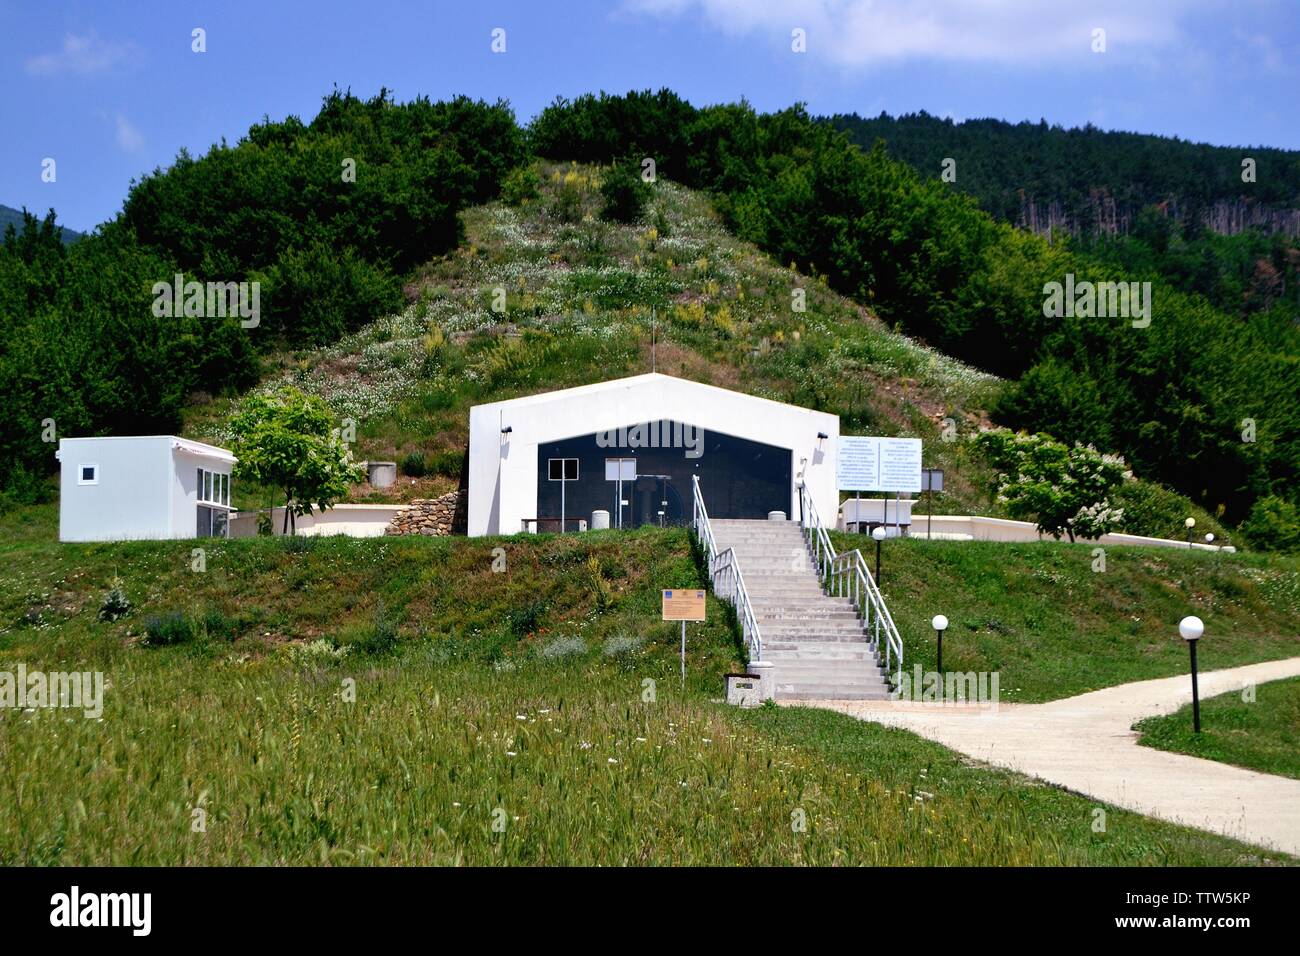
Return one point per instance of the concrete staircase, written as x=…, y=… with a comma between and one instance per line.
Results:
x=815, y=642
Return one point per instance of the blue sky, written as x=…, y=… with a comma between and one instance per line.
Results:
x=113, y=90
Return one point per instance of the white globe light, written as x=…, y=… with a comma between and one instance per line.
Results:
x=1190, y=522
x=1191, y=628
x=940, y=622
x=879, y=533
x=1210, y=536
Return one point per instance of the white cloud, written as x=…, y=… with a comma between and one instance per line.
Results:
x=81, y=55
x=862, y=33
x=129, y=139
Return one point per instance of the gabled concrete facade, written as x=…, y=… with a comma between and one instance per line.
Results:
x=751, y=452
x=142, y=487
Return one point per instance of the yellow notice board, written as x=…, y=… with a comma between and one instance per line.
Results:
x=682, y=605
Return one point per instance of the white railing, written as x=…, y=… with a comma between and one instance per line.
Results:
x=847, y=575
x=724, y=574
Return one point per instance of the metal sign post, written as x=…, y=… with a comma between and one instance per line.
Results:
x=683, y=606
x=931, y=481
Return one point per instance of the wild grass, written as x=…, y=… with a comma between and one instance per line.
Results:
x=1259, y=732
x=275, y=739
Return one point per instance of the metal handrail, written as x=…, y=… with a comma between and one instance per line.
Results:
x=847, y=575
x=724, y=574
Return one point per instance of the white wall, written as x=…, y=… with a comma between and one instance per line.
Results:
x=359, y=521
x=133, y=497
x=503, y=474
x=147, y=487
x=979, y=528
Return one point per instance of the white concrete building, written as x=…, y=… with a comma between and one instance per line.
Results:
x=629, y=447
x=142, y=487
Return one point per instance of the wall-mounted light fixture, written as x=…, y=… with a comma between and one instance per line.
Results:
x=507, y=430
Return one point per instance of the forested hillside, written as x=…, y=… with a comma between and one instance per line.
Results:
x=1200, y=399
x=1177, y=398
x=84, y=348
x=1087, y=180
x=17, y=220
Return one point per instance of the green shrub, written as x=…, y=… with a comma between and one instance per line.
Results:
x=1273, y=525
x=300, y=543
x=166, y=630
x=1153, y=510
x=319, y=293
x=374, y=639
x=24, y=487
x=523, y=620
x=521, y=185
x=216, y=625
x=414, y=465
x=450, y=463
x=624, y=193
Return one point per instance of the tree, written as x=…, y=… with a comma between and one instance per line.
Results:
x=1065, y=490
x=290, y=441
x=1273, y=525
x=624, y=193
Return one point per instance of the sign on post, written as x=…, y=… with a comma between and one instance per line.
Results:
x=867, y=463
x=683, y=606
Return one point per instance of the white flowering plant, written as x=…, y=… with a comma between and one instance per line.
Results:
x=1064, y=490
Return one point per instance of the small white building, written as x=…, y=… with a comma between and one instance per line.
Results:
x=630, y=448
x=142, y=487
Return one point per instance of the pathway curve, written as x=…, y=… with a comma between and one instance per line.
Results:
x=1085, y=744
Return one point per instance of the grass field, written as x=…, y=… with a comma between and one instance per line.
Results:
x=1039, y=614
x=531, y=715
x=1260, y=734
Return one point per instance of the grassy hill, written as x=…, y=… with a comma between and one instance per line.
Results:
x=1053, y=626
x=584, y=298
x=397, y=701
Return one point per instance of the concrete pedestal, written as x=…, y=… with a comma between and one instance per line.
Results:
x=767, y=678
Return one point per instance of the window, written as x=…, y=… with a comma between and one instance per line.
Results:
x=212, y=523
x=87, y=474
x=214, y=487
x=562, y=469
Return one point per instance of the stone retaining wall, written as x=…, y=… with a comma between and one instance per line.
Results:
x=435, y=516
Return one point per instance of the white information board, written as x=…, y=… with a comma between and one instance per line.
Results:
x=879, y=464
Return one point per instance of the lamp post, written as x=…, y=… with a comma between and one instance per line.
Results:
x=1209, y=538
x=879, y=535
x=1191, y=629
x=1190, y=523
x=940, y=624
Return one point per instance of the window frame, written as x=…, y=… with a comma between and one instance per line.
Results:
x=550, y=462
x=81, y=473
